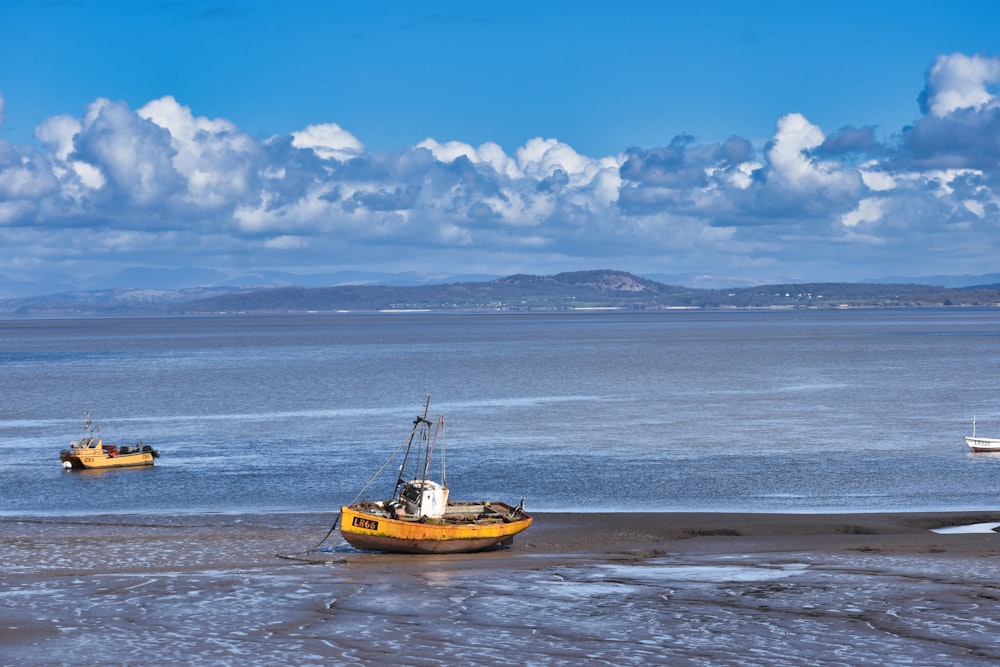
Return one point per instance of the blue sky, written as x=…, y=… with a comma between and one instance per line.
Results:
x=760, y=141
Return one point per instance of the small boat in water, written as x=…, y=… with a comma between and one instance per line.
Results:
x=420, y=517
x=979, y=444
x=91, y=452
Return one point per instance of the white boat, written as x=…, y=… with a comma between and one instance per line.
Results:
x=980, y=444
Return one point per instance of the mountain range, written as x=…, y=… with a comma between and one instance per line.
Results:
x=164, y=279
x=579, y=290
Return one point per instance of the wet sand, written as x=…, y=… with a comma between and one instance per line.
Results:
x=622, y=588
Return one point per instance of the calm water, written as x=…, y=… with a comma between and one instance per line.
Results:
x=753, y=411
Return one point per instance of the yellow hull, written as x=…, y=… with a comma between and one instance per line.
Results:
x=463, y=529
x=98, y=460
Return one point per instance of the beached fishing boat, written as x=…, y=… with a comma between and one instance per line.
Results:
x=91, y=452
x=979, y=444
x=420, y=517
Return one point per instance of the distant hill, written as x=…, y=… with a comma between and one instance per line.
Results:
x=576, y=290
x=582, y=290
x=108, y=302
x=985, y=280
x=163, y=280
x=16, y=286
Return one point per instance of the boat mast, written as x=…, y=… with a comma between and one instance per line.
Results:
x=401, y=480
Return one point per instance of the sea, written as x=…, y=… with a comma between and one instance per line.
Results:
x=846, y=410
x=278, y=416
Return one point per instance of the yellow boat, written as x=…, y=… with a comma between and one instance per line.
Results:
x=91, y=452
x=420, y=517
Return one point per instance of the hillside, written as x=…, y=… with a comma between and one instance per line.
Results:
x=517, y=293
x=582, y=290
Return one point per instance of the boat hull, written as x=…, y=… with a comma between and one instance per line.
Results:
x=97, y=460
x=463, y=529
x=982, y=444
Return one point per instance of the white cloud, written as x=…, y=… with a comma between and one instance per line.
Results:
x=329, y=141
x=455, y=235
x=57, y=133
x=133, y=155
x=214, y=156
x=977, y=208
x=490, y=154
x=940, y=182
x=89, y=175
x=541, y=158
x=792, y=164
x=151, y=180
x=287, y=243
x=958, y=81
x=874, y=179
x=26, y=180
x=742, y=177
x=450, y=151
x=868, y=210
x=493, y=155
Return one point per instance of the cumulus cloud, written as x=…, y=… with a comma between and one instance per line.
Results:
x=133, y=155
x=162, y=184
x=961, y=128
x=215, y=159
x=490, y=154
x=958, y=81
x=329, y=141
x=793, y=163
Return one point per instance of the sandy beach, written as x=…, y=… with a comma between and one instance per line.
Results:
x=632, y=588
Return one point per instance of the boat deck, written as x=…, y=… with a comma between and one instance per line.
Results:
x=456, y=513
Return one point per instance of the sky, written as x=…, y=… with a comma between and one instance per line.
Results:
x=767, y=142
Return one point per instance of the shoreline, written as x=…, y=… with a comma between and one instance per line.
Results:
x=597, y=533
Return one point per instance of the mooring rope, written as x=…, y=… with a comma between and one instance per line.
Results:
x=361, y=492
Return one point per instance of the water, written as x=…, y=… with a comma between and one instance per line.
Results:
x=262, y=421
x=830, y=410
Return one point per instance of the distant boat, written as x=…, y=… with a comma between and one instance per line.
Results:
x=91, y=452
x=420, y=518
x=978, y=444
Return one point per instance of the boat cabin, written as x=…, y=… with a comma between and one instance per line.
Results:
x=423, y=498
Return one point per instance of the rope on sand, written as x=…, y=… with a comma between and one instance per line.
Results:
x=337, y=520
x=314, y=561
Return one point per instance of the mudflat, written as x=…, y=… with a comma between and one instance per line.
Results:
x=275, y=588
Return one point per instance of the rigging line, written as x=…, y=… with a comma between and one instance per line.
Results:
x=406, y=457
x=430, y=448
x=361, y=492
x=417, y=423
x=407, y=441
x=444, y=463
